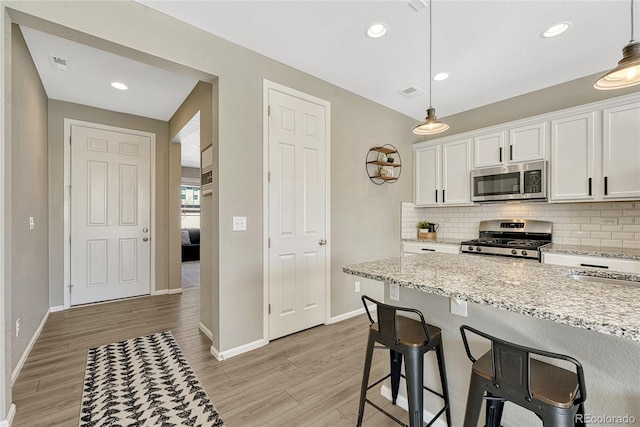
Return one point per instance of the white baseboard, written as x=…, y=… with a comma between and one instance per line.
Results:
x=206, y=331
x=25, y=354
x=402, y=402
x=349, y=315
x=56, y=308
x=175, y=291
x=10, y=415
x=161, y=292
x=223, y=355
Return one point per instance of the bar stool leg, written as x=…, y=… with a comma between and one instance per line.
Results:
x=443, y=381
x=414, y=371
x=474, y=403
x=580, y=416
x=396, y=367
x=495, y=406
x=365, y=378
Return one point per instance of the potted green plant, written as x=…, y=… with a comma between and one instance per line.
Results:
x=425, y=230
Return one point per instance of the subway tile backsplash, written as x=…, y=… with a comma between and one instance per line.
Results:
x=609, y=224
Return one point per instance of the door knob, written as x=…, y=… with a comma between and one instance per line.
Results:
x=322, y=242
x=144, y=230
x=145, y=239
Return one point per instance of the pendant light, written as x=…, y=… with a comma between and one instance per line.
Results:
x=627, y=73
x=431, y=125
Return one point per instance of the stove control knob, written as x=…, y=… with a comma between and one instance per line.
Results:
x=514, y=252
x=478, y=249
x=524, y=253
x=470, y=248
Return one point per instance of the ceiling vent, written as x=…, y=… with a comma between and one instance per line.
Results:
x=412, y=92
x=58, y=63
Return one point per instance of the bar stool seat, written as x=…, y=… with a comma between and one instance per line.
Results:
x=508, y=373
x=411, y=339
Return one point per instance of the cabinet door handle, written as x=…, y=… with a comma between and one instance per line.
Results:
x=511, y=152
x=606, y=185
x=590, y=182
x=594, y=266
x=500, y=154
x=443, y=199
x=436, y=196
x=430, y=250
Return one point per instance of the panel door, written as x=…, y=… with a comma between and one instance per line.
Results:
x=489, y=150
x=297, y=218
x=456, y=172
x=426, y=182
x=110, y=214
x=621, y=151
x=573, y=158
x=527, y=143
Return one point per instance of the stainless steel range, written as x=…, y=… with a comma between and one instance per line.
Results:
x=519, y=238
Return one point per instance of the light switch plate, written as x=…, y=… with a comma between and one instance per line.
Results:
x=458, y=307
x=32, y=223
x=394, y=292
x=239, y=223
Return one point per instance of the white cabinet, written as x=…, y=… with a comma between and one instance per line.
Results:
x=595, y=155
x=621, y=151
x=414, y=248
x=581, y=261
x=572, y=158
x=489, y=149
x=518, y=144
x=442, y=173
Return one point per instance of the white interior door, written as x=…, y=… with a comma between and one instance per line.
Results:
x=110, y=214
x=297, y=214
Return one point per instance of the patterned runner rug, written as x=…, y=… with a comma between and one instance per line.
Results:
x=145, y=381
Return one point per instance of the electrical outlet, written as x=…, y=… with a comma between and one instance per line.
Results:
x=17, y=327
x=394, y=292
x=239, y=223
x=458, y=306
x=32, y=223
x=357, y=286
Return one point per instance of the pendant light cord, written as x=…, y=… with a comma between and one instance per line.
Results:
x=431, y=48
x=632, y=40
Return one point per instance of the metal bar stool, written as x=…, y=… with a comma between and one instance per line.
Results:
x=507, y=372
x=410, y=338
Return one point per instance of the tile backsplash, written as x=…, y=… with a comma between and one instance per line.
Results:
x=609, y=224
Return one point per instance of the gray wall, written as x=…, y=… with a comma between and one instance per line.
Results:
x=201, y=99
x=58, y=111
x=30, y=258
x=193, y=173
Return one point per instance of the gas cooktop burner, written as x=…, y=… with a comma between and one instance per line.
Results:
x=516, y=238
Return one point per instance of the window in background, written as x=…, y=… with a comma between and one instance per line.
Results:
x=190, y=206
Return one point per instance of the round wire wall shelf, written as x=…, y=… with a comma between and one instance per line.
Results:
x=383, y=164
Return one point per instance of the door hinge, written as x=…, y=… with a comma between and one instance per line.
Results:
x=269, y=308
x=269, y=176
x=269, y=242
x=69, y=139
x=69, y=238
x=268, y=110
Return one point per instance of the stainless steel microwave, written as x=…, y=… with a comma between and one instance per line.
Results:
x=522, y=181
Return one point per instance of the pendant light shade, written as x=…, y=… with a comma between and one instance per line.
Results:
x=627, y=73
x=431, y=124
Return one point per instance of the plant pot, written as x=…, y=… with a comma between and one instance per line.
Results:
x=425, y=234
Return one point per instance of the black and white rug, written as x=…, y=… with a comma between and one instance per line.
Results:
x=145, y=381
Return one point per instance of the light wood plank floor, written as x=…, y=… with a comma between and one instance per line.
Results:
x=307, y=379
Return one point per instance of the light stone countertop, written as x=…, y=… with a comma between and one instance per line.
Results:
x=601, y=251
x=522, y=286
x=453, y=242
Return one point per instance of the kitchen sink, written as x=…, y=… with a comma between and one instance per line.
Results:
x=626, y=280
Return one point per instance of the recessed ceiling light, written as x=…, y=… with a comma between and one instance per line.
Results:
x=556, y=30
x=441, y=76
x=119, y=86
x=377, y=30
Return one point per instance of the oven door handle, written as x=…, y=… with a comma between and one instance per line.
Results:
x=521, y=182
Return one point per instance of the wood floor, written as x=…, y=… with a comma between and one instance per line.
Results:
x=307, y=379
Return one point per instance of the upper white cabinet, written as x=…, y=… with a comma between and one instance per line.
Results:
x=488, y=149
x=442, y=173
x=621, y=151
x=514, y=145
x=595, y=155
x=572, y=158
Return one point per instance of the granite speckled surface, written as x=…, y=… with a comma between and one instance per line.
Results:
x=523, y=286
x=602, y=251
x=453, y=242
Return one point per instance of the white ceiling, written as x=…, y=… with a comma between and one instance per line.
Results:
x=189, y=139
x=492, y=49
x=153, y=92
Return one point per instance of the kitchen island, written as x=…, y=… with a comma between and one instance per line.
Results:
x=529, y=303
